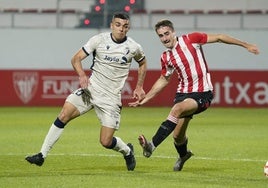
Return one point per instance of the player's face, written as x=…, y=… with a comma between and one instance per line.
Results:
x=119, y=28
x=167, y=36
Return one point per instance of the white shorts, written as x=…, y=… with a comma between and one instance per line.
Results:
x=106, y=107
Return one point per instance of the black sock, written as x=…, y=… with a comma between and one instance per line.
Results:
x=164, y=130
x=58, y=123
x=182, y=149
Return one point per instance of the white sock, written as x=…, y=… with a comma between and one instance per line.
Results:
x=121, y=147
x=152, y=144
x=52, y=136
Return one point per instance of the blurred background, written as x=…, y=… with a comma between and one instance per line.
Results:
x=39, y=37
x=238, y=14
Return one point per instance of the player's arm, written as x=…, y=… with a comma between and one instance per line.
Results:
x=158, y=86
x=211, y=38
x=139, y=92
x=77, y=65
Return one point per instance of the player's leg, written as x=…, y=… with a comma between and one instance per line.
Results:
x=67, y=113
x=71, y=109
x=186, y=107
x=202, y=101
x=109, y=114
x=180, y=143
x=109, y=141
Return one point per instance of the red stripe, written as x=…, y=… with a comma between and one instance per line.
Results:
x=187, y=69
x=197, y=63
x=163, y=60
x=179, y=71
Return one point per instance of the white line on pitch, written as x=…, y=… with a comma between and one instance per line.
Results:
x=156, y=156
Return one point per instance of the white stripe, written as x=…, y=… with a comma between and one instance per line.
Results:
x=186, y=53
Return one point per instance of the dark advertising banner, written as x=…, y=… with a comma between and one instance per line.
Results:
x=50, y=88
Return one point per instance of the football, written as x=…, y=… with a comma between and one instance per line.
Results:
x=266, y=169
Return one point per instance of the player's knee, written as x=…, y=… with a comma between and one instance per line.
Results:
x=64, y=117
x=176, y=111
x=68, y=114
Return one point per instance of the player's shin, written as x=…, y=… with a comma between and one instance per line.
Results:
x=163, y=132
x=181, y=147
x=52, y=136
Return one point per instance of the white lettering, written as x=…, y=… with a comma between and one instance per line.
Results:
x=242, y=93
x=236, y=92
x=261, y=95
x=47, y=85
x=59, y=87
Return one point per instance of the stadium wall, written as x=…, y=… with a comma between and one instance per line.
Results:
x=35, y=67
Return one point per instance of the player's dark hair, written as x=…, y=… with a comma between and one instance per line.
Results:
x=121, y=15
x=163, y=23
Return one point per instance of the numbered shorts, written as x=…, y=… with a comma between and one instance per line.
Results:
x=107, y=108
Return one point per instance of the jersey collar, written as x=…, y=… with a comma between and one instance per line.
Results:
x=117, y=41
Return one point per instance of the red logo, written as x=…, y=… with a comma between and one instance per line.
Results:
x=25, y=85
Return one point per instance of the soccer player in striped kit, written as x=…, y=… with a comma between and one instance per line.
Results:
x=194, y=94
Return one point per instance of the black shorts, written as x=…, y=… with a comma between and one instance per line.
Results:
x=203, y=99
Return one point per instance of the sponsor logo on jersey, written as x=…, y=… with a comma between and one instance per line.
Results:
x=111, y=59
x=25, y=85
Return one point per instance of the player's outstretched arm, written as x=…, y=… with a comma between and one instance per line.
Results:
x=158, y=86
x=230, y=40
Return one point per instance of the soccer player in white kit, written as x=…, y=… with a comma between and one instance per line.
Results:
x=112, y=57
x=194, y=93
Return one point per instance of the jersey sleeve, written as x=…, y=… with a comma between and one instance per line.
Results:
x=91, y=44
x=196, y=37
x=140, y=55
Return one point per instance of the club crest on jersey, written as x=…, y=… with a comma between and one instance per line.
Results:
x=124, y=58
x=127, y=51
x=25, y=85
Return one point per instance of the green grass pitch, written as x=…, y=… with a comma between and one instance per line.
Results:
x=230, y=147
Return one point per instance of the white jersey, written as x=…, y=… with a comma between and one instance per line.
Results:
x=111, y=61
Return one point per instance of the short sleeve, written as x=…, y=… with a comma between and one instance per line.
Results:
x=140, y=55
x=91, y=44
x=196, y=37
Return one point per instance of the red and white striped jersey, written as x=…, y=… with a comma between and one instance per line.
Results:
x=188, y=60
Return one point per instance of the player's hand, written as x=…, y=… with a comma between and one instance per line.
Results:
x=134, y=104
x=83, y=80
x=253, y=49
x=138, y=94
